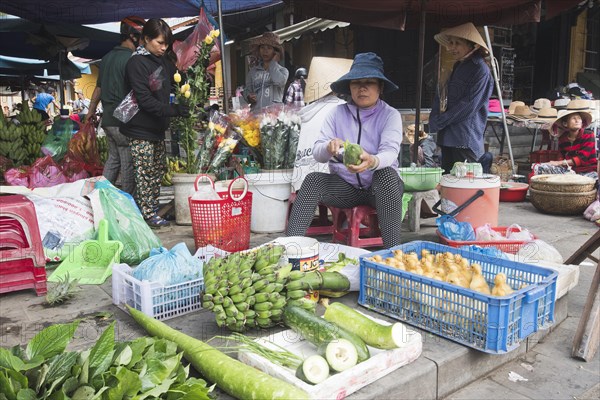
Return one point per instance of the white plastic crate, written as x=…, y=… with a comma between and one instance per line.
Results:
x=155, y=299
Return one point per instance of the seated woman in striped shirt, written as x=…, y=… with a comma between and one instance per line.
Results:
x=576, y=144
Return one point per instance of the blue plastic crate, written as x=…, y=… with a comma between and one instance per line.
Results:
x=486, y=323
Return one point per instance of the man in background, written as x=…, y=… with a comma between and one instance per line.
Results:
x=110, y=89
x=295, y=93
x=42, y=100
x=81, y=106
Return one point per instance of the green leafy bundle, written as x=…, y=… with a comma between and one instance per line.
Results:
x=140, y=369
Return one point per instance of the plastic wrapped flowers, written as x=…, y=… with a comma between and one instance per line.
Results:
x=279, y=134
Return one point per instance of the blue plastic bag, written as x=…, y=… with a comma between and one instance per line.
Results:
x=486, y=251
x=452, y=229
x=169, y=267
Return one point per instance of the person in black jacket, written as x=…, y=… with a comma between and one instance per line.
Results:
x=149, y=74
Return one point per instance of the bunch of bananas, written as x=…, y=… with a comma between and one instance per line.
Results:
x=11, y=142
x=174, y=166
x=103, y=148
x=250, y=289
x=33, y=133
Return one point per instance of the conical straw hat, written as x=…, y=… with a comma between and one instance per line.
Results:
x=465, y=31
x=322, y=73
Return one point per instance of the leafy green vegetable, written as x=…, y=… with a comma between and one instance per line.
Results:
x=51, y=341
x=352, y=153
x=142, y=369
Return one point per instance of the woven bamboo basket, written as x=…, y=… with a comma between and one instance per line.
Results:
x=567, y=183
x=561, y=203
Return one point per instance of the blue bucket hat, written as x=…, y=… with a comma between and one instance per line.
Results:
x=365, y=65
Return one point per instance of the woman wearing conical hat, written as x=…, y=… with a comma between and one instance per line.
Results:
x=576, y=144
x=459, y=111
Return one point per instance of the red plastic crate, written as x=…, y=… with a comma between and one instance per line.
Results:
x=507, y=246
x=542, y=156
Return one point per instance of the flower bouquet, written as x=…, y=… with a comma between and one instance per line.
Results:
x=194, y=92
x=279, y=134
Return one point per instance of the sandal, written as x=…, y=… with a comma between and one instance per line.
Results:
x=157, y=222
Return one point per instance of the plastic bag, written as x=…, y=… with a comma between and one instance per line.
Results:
x=486, y=251
x=83, y=147
x=452, y=229
x=485, y=233
x=169, y=267
x=17, y=176
x=127, y=108
x=73, y=169
x=538, y=250
x=126, y=224
x=45, y=172
x=592, y=213
x=515, y=232
x=56, y=143
x=187, y=51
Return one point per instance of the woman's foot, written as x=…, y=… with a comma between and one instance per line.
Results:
x=157, y=222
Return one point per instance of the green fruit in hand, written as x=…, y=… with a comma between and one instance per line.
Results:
x=352, y=153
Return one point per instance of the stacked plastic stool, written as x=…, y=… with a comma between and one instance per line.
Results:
x=356, y=227
x=22, y=260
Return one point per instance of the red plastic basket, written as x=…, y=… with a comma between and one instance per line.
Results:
x=507, y=246
x=223, y=223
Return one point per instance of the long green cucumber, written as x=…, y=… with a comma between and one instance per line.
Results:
x=319, y=331
x=373, y=333
x=234, y=377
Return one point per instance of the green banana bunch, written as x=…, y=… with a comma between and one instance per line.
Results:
x=102, y=148
x=250, y=289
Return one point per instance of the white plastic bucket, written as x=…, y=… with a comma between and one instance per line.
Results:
x=302, y=252
x=270, y=194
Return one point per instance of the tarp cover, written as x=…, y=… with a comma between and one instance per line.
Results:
x=440, y=13
x=97, y=11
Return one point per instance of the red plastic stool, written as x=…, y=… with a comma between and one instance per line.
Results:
x=320, y=225
x=22, y=261
x=353, y=235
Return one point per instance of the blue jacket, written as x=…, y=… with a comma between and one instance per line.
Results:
x=463, y=123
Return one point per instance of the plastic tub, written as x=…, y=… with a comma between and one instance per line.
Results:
x=302, y=252
x=420, y=179
x=513, y=191
x=457, y=192
x=271, y=191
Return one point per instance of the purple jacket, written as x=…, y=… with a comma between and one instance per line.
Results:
x=379, y=133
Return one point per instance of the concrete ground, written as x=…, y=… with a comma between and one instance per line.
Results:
x=445, y=369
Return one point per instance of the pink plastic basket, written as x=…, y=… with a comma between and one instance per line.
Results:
x=507, y=246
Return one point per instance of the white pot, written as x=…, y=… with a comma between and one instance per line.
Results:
x=183, y=185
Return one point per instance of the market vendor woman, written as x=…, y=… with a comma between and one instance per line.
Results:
x=576, y=144
x=460, y=108
x=377, y=127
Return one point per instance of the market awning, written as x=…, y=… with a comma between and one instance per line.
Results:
x=296, y=30
x=30, y=66
x=97, y=11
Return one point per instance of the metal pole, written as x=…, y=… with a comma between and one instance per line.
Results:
x=420, y=56
x=223, y=69
x=499, y=91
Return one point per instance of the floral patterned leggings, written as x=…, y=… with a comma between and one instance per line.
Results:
x=149, y=165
